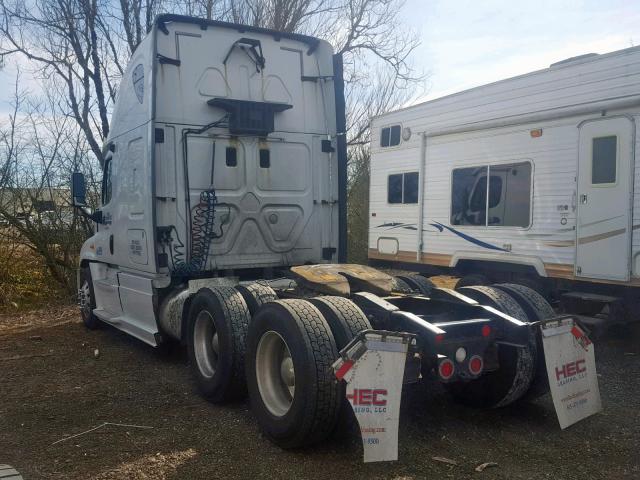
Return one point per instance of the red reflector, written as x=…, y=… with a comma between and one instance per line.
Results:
x=475, y=365
x=486, y=330
x=446, y=369
x=439, y=338
x=342, y=371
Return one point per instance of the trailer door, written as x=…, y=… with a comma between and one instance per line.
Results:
x=605, y=175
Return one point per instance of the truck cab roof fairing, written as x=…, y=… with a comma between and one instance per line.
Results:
x=163, y=19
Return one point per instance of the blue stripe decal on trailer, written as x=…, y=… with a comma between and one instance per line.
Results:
x=441, y=227
x=470, y=239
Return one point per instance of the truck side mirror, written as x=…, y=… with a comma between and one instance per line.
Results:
x=79, y=198
x=78, y=190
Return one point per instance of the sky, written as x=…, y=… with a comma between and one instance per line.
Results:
x=467, y=43
x=470, y=43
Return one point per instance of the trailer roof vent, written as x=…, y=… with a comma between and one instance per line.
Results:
x=576, y=59
x=249, y=118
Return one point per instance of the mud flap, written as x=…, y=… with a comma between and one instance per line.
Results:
x=571, y=367
x=373, y=366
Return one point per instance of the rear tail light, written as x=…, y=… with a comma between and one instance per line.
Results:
x=446, y=369
x=475, y=365
x=486, y=330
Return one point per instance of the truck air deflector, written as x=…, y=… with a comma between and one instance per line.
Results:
x=247, y=117
x=163, y=19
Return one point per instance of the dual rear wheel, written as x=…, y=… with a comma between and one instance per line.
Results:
x=522, y=370
x=282, y=357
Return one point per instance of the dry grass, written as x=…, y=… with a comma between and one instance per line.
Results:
x=25, y=282
x=149, y=467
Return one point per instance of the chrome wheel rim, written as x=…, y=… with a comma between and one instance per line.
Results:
x=275, y=373
x=206, y=344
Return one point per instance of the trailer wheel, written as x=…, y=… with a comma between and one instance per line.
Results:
x=256, y=294
x=7, y=472
x=87, y=300
x=418, y=283
x=217, y=329
x=536, y=308
x=400, y=286
x=472, y=280
x=517, y=365
x=293, y=392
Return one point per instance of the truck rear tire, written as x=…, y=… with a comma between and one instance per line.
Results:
x=534, y=283
x=346, y=320
x=536, y=308
x=344, y=317
x=400, y=286
x=418, y=283
x=256, y=294
x=217, y=329
x=517, y=368
x=88, y=300
x=294, y=394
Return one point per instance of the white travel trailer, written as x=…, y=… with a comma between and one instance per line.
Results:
x=529, y=179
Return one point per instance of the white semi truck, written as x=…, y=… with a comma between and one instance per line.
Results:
x=222, y=227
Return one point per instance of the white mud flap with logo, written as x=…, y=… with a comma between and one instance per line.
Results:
x=373, y=368
x=571, y=367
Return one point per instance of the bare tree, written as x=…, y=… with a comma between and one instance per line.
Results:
x=80, y=47
x=38, y=151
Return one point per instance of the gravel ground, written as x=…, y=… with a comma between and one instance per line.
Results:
x=53, y=385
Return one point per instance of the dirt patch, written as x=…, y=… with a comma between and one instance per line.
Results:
x=57, y=387
x=34, y=319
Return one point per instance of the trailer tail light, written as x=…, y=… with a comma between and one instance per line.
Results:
x=475, y=365
x=446, y=369
x=486, y=330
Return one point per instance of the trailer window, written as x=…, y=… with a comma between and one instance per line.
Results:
x=469, y=196
x=479, y=197
x=106, y=182
x=510, y=195
x=603, y=160
x=403, y=188
x=390, y=136
x=509, y=191
x=410, y=188
x=394, y=189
